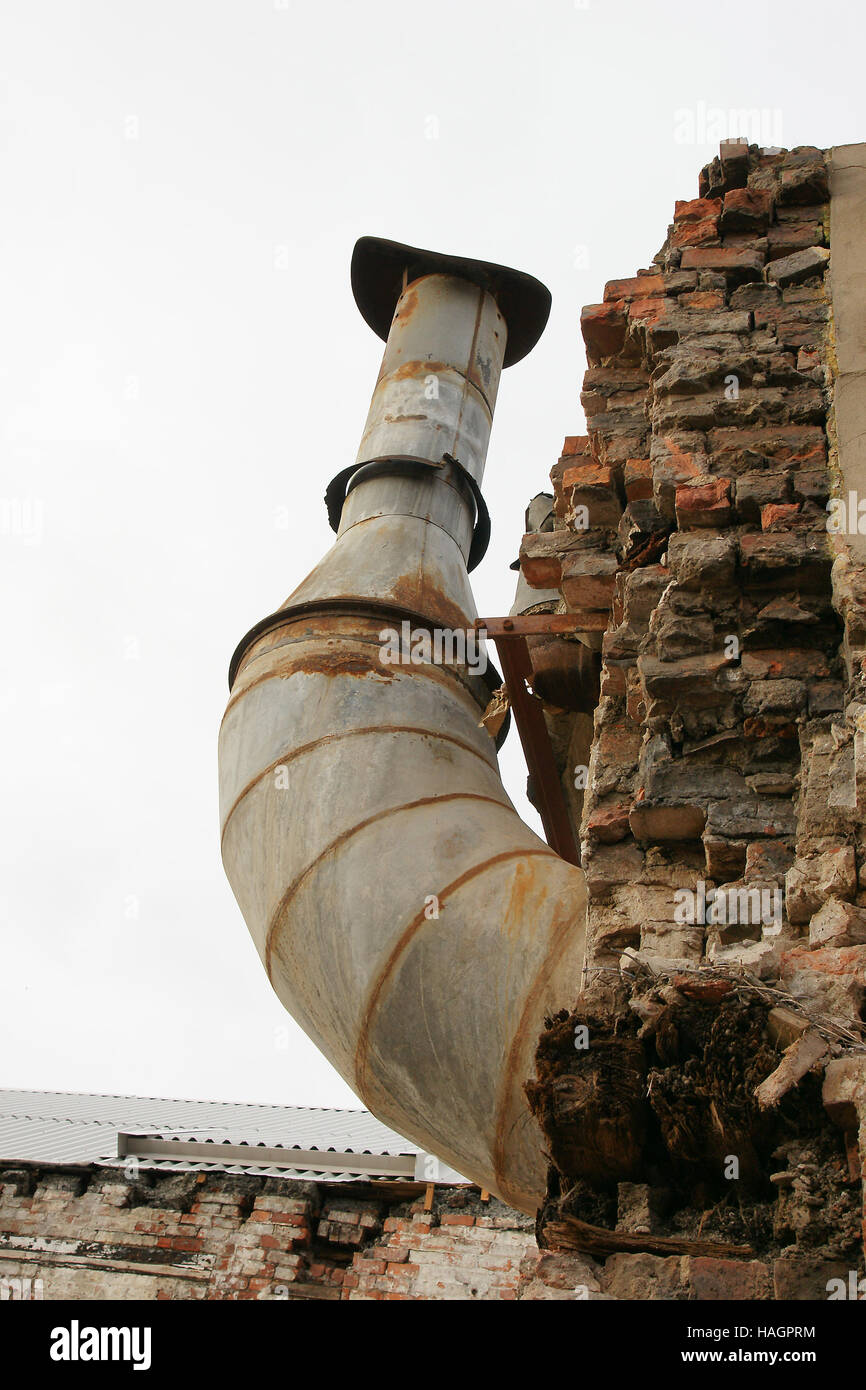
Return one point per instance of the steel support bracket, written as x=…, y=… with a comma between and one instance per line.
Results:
x=510, y=636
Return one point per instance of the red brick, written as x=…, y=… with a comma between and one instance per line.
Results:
x=457, y=1219
x=638, y=478
x=704, y=502
x=795, y=663
x=703, y=299
x=783, y=442
x=744, y=265
x=603, y=327
x=695, y=234
x=638, y=287
x=610, y=824
x=775, y=512
x=575, y=444
x=697, y=209
x=648, y=310
x=588, y=475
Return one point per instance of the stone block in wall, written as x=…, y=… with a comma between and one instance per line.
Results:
x=751, y=817
x=725, y=858
x=826, y=809
x=768, y=858
x=838, y=923
x=828, y=979
x=548, y=1275
x=812, y=880
x=679, y=632
x=542, y=554
x=605, y=866
x=785, y=561
x=608, y=823
x=807, y=182
x=786, y=697
x=714, y=1279
x=670, y=941
x=825, y=697
x=702, y=562
x=594, y=487
x=746, y=210
x=776, y=663
x=805, y=1278
x=588, y=579
x=798, y=266
x=790, y=237
x=738, y=266
x=704, y=233
x=646, y=1277
x=696, y=681
x=844, y=1091
x=740, y=449
x=650, y=823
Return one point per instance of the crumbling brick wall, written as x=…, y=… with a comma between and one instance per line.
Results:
x=94, y=1233
x=721, y=834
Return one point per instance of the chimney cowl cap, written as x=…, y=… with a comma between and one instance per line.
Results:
x=377, y=283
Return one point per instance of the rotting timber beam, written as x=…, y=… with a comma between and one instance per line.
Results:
x=510, y=636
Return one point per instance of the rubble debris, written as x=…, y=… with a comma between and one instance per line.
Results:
x=799, y=1058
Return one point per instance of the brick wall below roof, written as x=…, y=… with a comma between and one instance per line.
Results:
x=92, y=1234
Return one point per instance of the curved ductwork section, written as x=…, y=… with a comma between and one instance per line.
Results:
x=407, y=918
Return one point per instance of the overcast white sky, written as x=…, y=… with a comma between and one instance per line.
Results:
x=181, y=358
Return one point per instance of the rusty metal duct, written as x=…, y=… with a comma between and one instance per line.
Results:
x=407, y=918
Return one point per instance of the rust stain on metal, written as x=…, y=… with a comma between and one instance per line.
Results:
x=419, y=592
x=439, y=674
x=417, y=367
x=404, y=940
x=563, y=926
x=515, y=912
x=347, y=835
x=408, y=302
x=372, y=729
x=338, y=663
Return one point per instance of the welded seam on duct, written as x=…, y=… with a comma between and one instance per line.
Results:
x=290, y=757
x=463, y=396
x=346, y=835
x=408, y=934
x=377, y=516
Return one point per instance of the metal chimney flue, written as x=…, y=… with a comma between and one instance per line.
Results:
x=411, y=923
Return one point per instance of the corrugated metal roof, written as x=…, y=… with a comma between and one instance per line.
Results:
x=72, y=1127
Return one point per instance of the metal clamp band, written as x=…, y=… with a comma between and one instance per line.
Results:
x=339, y=488
x=365, y=608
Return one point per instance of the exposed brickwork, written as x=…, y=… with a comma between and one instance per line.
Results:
x=692, y=541
x=95, y=1235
